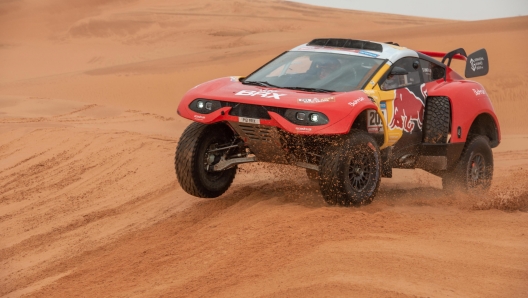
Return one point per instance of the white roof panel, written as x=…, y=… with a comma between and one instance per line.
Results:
x=390, y=52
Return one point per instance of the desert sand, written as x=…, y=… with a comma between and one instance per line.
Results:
x=90, y=205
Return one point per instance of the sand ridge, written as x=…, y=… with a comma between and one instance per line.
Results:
x=90, y=206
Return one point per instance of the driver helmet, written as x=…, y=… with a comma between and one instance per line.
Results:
x=390, y=82
x=327, y=65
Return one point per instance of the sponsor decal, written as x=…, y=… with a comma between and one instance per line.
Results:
x=374, y=122
x=371, y=95
x=477, y=63
x=426, y=70
x=317, y=100
x=479, y=91
x=249, y=120
x=199, y=117
x=355, y=102
x=264, y=93
x=408, y=108
x=368, y=54
x=303, y=129
x=349, y=50
x=383, y=105
x=372, y=83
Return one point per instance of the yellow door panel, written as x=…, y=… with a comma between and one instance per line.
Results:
x=385, y=102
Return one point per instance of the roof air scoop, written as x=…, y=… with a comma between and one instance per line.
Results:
x=347, y=43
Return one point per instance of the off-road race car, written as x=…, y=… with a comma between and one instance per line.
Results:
x=348, y=111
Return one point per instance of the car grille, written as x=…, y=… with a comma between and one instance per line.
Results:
x=250, y=111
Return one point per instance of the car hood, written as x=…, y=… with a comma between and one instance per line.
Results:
x=230, y=89
x=341, y=108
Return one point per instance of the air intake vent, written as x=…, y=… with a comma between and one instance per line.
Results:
x=250, y=111
x=347, y=43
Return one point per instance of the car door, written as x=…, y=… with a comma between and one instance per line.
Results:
x=402, y=101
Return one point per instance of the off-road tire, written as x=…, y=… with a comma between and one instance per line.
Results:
x=350, y=170
x=437, y=117
x=189, y=161
x=312, y=174
x=474, y=171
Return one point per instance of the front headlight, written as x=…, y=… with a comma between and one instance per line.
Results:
x=307, y=118
x=204, y=106
x=300, y=116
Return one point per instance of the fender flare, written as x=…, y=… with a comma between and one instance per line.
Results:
x=485, y=124
x=384, y=123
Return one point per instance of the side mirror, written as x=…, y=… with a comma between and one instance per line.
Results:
x=477, y=64
x=398, y=71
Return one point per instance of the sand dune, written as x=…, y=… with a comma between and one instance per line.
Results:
x=90, y=206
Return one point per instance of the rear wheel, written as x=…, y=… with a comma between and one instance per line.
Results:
x=351, y=170
x=193, y=160
x=474, y=171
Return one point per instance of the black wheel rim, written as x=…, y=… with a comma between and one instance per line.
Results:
x=360, y=169
x=207, y=162
x=476, y=171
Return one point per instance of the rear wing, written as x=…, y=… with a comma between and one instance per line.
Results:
x=476, y=64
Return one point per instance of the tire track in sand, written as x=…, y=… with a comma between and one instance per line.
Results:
x=69, y=189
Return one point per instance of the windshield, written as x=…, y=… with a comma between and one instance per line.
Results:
x=316, y=71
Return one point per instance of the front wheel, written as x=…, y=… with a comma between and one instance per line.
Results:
x=350, y=170
x=194, y=156
x=474, y=171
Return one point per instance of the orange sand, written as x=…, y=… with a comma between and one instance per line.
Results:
x=90, y=206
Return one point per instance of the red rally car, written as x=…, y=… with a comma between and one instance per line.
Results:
x=348, y=111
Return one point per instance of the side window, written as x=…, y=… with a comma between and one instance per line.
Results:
x=411, y=66
x=431, y=71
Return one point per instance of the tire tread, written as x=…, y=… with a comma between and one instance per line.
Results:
x=437, y=120
x=455, y=179
x=332, y=187
x=184, y=162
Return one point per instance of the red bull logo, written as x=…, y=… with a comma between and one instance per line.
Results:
x=408, y=109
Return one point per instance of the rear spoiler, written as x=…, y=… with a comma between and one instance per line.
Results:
x=476, y=64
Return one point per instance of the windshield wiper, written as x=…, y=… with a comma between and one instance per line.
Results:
x=310, y=89
x=266, y=84
x=260, y=83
